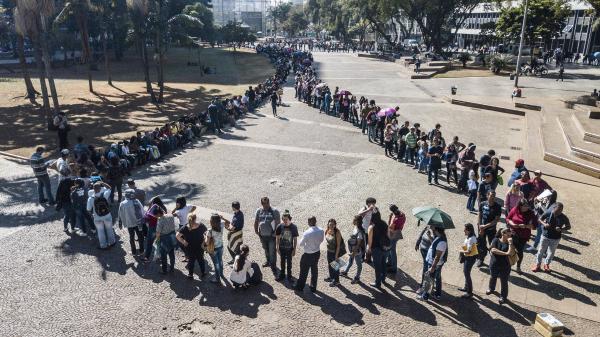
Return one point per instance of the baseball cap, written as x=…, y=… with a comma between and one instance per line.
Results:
x=64, y=152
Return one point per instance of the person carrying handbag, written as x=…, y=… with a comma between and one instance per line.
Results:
x=468, y=255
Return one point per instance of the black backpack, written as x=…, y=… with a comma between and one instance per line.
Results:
x=101, y=206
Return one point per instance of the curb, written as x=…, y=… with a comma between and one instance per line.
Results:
x=14, y=156
x=567, y=163
x=486, y=107
x=577, y=151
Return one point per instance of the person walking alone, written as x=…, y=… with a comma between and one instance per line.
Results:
x=311, y=241
x=274, y=100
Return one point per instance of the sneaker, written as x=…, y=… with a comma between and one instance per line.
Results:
x=537, y=268
x=329, y=279
x=489, y=292
x=467, y=296
x=229, y=263
x=519, y=271
x=279, y=278
x=266, y=264
x=334, y=284
x=355, y=281
x=546, y=267
x=419, y=291
x=462, y=289
x=502, y=300
x=313, y=289
x=375, y=285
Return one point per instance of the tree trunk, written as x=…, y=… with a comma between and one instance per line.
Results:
x=106, y=58
x=146, y=66
x=40, y=66
x=48, y=64
x=85, y=47
x=23, y=62
x=160, y=41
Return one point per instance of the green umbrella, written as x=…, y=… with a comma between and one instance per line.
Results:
x=433, y=216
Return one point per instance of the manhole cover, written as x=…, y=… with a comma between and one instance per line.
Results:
x=505, y=157
x=515, y=148
x=515, y=129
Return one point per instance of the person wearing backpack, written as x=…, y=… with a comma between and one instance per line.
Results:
x=379, y=245
x=356, y=247
x=98, y=205
x=131, y=216
x=436, y=257
x=286, y=236
x=265, y=220
x=501, y=249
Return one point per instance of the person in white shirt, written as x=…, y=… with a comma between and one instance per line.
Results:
x=366, y=212
x=98, y=205
x=63, y=166
x=311, y=243
x=244, y=272
x=181, y=211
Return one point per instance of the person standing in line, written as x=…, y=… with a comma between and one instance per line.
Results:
x=311, y=241
x=411, y=146
x=366, y=212
x=166, y=230
x=521, y=220
x=356, y=246
x=561, y=73
x=139, y=193
x=379, y=245
x=213, y=113
x=63, y=201
x=265, y=221
x=151, y=220
x=286, y=236
x=79, y=196
x=435, y=161
x=131, y=215
x=396, y=225
x=335, y=249
x=501, y=248
x=191, y=237
x=62, y=165
x=512, y=198
x=234, y=231
x=436, y=257
x=98, y=205
x=214, y=236
x=490, y=212
x=40, y=169
x=274, y=100
x=182, y=210
x=554, y=222
x=422, y=245
x=469, y=253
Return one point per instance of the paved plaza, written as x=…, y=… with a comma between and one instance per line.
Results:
x=54, y=284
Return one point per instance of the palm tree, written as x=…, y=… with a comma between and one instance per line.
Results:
x=37, y=12
x=80, y=10
x=25, y=27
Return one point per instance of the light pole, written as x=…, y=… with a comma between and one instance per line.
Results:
x=521, y=44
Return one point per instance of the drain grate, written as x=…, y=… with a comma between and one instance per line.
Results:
x=515, y=129
x=505, y=157
x=515, y=148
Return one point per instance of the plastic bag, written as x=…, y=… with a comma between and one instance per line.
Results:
x=156, y=250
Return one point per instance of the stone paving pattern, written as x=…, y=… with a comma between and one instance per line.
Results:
x=58, y=285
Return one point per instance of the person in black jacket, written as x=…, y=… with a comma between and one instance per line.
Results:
x=63, y=201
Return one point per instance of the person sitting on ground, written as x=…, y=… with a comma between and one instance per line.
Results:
x=244, y=273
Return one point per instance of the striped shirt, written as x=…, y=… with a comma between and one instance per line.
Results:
x=39, y=165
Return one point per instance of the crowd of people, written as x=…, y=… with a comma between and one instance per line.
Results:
x=530, y=205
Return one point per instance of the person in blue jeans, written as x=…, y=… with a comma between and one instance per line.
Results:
x=434, y=153
x=378, y=247
x=215, y=234
x=436, y=257
x=472, y=187
x=356, y=244
x=40, y=169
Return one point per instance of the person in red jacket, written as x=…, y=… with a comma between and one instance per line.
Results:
x=521, y=220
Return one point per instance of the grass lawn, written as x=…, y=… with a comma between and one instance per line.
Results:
x=114, y=112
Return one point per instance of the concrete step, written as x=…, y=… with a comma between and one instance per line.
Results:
x=580, y=148
x=589, y=128
x=556, y=149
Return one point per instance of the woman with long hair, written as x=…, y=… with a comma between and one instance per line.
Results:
x=151, y=220
x=356, y=245
x=379, y=245
x=244, y=272
x=469, y=253
x=501, y=248
x=214, y=237
x=333, y=237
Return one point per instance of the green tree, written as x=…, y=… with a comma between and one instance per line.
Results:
x=596, y=6
x=202, y=12
x=279, y=14
x=296, y=22
x=545, y=20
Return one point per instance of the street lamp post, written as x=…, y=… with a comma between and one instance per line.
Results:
x=521, y=44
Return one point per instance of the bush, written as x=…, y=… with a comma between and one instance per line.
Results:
x=497, y=63
x=464, y=58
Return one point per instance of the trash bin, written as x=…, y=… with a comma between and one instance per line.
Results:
x=453, y=90
x=512, y=77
